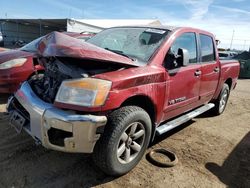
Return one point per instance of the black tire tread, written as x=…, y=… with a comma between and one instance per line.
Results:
x=215, y=110
x=113, y=128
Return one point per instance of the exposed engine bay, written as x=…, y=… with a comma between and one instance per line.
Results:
x=58, y=69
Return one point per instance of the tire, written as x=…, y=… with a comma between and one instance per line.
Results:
x=221, y=101
x=128, y=131
x=168, y=154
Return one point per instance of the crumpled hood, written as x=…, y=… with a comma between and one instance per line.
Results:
x=61, y=45
x=13, y=54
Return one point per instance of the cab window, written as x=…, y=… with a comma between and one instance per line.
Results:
x=185, y=41
x=207, y=49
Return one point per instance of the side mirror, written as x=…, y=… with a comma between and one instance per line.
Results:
x=175, y=60
x=184, y=56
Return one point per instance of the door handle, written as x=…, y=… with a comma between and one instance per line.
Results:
x=197, y=73
x=216, y=69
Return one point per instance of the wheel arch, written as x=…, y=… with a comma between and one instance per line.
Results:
x=229, y=82
x=145, y=103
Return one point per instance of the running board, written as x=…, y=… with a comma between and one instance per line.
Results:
x=182, y=119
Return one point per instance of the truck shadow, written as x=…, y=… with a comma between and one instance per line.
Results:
x=45, y=168
x=235, y=171
x=3, y=98
x=35, y=166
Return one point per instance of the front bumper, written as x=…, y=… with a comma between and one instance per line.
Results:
x=42, y=117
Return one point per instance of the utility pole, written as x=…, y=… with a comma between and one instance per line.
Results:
x=232, y=40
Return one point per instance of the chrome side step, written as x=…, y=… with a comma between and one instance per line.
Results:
x=182, y=119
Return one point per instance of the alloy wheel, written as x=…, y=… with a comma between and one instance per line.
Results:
x=131, y=142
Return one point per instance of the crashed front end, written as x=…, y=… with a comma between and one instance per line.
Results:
x=54, y=128
x=68, y=79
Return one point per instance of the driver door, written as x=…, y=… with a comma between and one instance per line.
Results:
x=183, y=82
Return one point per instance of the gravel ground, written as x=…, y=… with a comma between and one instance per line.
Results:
x=212, y=152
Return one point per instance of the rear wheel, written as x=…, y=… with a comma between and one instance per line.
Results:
x=221, y=102
x=124, y=141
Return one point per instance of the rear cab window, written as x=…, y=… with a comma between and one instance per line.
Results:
x=207, y=49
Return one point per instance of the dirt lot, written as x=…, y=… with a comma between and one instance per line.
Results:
x=212, y=152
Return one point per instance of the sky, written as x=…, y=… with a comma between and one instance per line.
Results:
x=224, y=18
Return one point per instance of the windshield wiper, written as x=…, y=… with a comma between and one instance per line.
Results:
x=120, y=53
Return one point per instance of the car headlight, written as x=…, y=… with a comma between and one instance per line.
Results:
x=13, y=63
x=88, y=92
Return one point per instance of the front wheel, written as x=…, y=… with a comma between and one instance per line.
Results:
x=221, y=102
x=124, y=141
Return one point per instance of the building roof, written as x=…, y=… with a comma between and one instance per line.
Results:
x=106, y=23
x=54, y=24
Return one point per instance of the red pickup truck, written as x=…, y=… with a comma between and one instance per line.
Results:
x=112, y=95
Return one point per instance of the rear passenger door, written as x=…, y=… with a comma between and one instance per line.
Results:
x=210, y=68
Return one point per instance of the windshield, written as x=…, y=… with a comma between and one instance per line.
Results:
x=138, y=43
x=32, y=46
